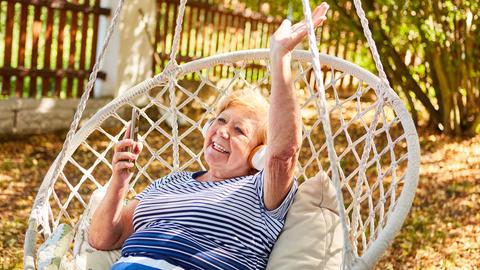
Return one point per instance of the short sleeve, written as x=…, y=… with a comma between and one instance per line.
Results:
x=280, y=212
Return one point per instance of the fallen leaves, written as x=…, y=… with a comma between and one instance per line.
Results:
x=442, y=229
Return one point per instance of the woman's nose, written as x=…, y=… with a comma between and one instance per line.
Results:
x=223, y=132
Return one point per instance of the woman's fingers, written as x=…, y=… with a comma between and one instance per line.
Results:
x=319, y=12
x=121, y=165
x=299, y=30
x=124, y=144
x=318, y=16
x=123, y=156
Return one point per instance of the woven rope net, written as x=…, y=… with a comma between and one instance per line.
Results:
x=378, y=178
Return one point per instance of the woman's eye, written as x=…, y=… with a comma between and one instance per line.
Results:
x=221, y=120
x=239, y=130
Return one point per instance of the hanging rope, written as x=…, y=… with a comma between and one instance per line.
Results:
x=371, y=42
x=323, y=112
x=178, y=31
x=172, y=69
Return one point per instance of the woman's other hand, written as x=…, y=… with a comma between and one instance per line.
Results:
x=288, y=36
x=123, y=160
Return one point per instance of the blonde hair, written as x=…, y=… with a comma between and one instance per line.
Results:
x=253, y=102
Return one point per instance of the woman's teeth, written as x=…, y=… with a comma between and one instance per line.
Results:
x=219, y=148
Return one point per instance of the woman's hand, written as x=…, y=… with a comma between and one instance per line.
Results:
x=288, y=36
x=123, y=160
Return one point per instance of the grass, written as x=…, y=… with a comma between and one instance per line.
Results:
x=441, y=231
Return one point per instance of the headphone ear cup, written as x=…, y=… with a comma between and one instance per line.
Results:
x=206, y=127
x=257, y=157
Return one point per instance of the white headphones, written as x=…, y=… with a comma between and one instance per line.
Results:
x=256, y=159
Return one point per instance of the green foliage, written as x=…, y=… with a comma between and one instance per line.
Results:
x=429, y=49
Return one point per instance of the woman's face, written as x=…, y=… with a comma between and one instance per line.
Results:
x=229, y=141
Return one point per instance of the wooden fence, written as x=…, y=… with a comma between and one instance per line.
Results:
x=208, y=30
x=49, y=46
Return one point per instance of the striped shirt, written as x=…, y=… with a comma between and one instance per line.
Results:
x=206, y=225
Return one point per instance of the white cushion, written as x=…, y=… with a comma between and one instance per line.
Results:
x=312, y=236
x=85, y=256
x=51, y=253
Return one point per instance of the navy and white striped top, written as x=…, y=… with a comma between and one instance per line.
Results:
x=206, y=225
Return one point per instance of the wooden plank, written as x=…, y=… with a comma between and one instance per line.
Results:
x=207, y=33
x=71, y=54
x=65, y=5
x=198, y=38
x=337, y=44
x=64, y=73
x=21, y=48
x=36, y=29
x=59, y=58
x=174, y=24
x=237, y=32
x=222, y=18
x=83, y=49
x=187, y=30
x=255, y=33
x=93, y=55
x=242, y=34
x=165, y=33
x=355, y=48
x=47, y=50
x=247, y=34
x=9, y=19
x=345, y=50
x=264, y=36
x=228, y=42
x=322, y=37
x=228, y=33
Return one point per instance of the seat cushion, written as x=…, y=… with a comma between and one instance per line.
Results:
x=51, y=253
x=85, y=256
x=312, y=237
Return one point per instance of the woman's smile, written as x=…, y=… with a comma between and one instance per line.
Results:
x=219, y=148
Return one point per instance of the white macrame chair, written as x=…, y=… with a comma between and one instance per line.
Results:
x=365, y=140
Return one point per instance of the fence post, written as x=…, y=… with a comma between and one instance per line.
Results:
x=129, y=56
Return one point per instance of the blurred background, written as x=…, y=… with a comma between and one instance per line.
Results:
x=430, y=51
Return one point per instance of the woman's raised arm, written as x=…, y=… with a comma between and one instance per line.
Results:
x=285, y=121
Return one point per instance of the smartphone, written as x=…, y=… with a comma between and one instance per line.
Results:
x=134, y=126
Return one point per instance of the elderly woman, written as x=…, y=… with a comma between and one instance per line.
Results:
x=230, y=216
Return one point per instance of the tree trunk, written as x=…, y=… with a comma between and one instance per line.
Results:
x=444, y=86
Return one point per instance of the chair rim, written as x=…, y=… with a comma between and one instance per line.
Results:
x=370, y=255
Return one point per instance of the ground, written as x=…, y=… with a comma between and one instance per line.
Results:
x=441, y=232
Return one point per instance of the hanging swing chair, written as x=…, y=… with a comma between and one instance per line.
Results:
x=365, y=139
